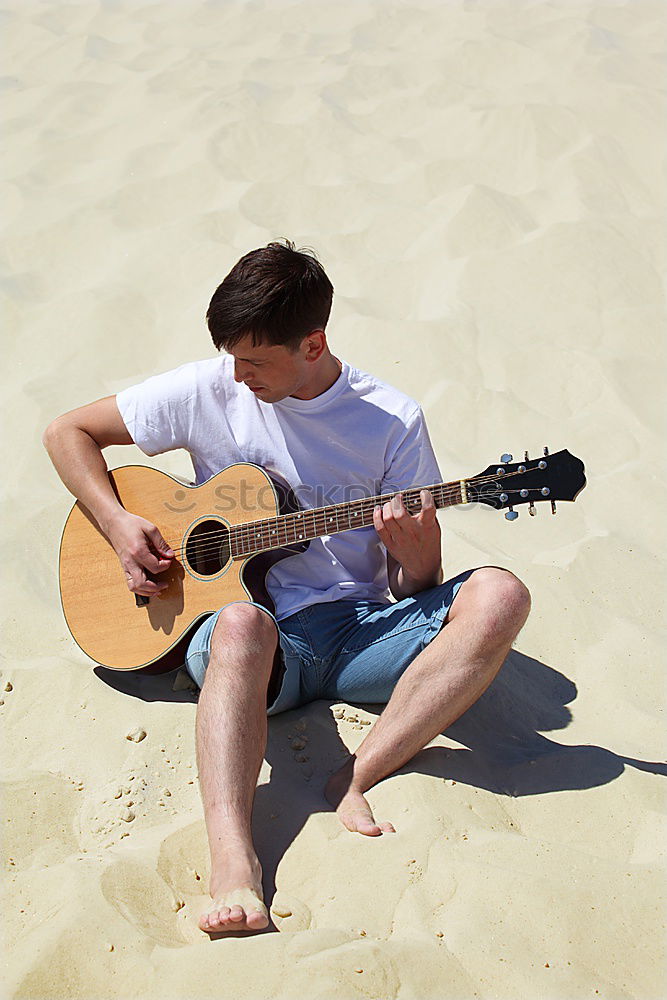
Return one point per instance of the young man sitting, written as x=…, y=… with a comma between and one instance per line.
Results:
x=280, y=399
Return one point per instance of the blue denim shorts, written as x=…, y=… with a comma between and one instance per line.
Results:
x=351, y=651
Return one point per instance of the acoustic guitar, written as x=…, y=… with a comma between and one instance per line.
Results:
x=226, y=535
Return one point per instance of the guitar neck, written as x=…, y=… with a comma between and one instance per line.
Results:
x=254, y=537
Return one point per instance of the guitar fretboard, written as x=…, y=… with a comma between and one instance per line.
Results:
x=304, y=525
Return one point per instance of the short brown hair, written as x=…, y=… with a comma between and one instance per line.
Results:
x=277, y=294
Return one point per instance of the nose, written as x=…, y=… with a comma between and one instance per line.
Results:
x=240, y=372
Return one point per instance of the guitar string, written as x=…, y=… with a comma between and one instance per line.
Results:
x=243, y=532
x=259, y=545
x=249, y=531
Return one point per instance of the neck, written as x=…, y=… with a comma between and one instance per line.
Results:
x=328, y=370
x=303, y=525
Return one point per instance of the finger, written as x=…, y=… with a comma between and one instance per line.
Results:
x=138, y=583
x=384, y=533
x=428, y=509
x=147, y=560
x=401, y=515
x=387, y=515
x=427, y=499
x=379, y=524
x=159, y=542
x=397, y=505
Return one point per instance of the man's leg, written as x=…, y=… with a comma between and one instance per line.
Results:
x=444, y=680
x=231, y=741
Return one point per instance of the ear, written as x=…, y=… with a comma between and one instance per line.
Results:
x=314, y=345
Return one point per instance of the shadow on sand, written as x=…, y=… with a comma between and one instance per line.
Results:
x=503, y=749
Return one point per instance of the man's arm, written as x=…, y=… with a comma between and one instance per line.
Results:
x=414, y=559
x=74, y=442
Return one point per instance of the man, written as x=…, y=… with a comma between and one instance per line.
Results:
x=280, y=399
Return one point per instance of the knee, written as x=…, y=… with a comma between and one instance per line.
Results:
x=247, y=627
x=496, y=601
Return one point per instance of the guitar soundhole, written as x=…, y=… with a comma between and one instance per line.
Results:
x=207, y=548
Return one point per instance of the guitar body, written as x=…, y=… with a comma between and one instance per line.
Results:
x=103, y=615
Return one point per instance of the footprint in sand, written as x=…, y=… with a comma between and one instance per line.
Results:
x=145, y=901
x=183, y=860
x=289, y=913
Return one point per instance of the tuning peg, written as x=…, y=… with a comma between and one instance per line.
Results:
x=511, y=515
x=505, y=458
x=532, y=509
x=553, y=506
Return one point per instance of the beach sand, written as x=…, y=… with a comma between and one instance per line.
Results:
x=482, y=181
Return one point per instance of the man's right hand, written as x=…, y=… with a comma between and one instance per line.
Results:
x=141, y=550
x=74, y=442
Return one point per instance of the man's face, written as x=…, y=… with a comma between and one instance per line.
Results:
x=271, y=371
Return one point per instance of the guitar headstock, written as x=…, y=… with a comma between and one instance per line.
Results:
x=507, y=484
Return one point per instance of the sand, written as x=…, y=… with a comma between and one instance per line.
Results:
x=483, y=182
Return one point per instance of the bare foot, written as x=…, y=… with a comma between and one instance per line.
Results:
x=237, y=901
x=353, y=810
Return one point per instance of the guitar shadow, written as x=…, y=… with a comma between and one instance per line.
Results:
x=502, y=749
x=149, y=684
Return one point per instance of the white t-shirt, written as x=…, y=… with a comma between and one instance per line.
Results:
x=359, y=438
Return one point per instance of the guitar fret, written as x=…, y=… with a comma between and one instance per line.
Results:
x=288, y=529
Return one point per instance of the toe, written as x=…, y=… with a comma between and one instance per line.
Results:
x=362, y=823
x=387, y=828
x=256, y=920
x=211, y=920
x=243, y=910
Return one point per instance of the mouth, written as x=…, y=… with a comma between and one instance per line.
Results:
x=255, y=388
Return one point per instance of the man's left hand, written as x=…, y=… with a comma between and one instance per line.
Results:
x=413, y=540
